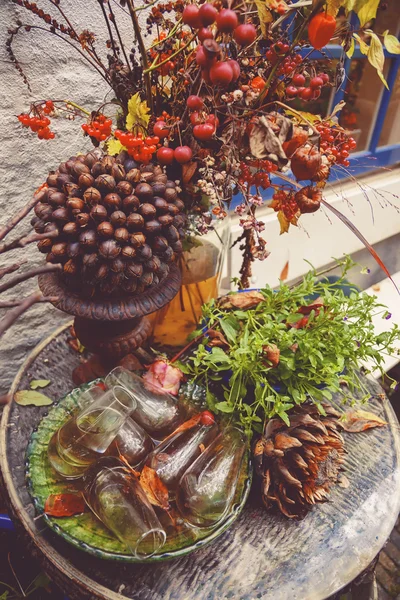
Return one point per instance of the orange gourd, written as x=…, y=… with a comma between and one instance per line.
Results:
x=321, y=29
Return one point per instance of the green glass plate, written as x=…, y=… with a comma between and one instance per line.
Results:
x=85, y=531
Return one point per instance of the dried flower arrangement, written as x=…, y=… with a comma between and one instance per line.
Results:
x=205, y=98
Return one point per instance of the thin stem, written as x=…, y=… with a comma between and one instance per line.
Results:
x=121, y=43
x=143, y=54
x=13, y=303
x=11, y=223
x=28, y=275
x=24, y=240
x=70, y=103
x=108, y=27
x=11, y=269
x=13, y=314
x=152, y=68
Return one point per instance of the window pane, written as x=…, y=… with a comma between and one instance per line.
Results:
x=362, y=96
x=391, y=127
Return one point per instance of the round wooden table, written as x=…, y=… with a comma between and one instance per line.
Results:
x=261, y=556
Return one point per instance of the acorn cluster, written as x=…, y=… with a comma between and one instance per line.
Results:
x=115, y=226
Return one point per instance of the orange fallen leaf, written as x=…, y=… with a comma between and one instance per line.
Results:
x=355, y=421
x=64, y=505
x=241, y=300
x=155, y=490
x=285, y=272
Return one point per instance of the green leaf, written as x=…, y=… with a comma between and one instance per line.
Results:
x=32, y=398
x=294, y=318
x=363, y=46
x=138, y=113
x=224, y=407
x=220, y=355
x=391, y=42
x=4, y=595
x=114, y=147
x=230, y=328
x=39, y=383
x=375, y=53
x=366, y=10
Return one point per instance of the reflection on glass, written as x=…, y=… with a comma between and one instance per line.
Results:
x=157, y=412
x=86, y=435
x=173, y=456
x=132, y=442
x=118, y=500
x=207, y=489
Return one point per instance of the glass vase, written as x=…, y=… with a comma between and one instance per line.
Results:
x=201, y=276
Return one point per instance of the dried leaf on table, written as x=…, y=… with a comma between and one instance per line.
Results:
x=216, y=338
x=241, y=300
x=343, y=482
x=39, y=383
x=154, y=488
x=64, y=505
x=355, y=421
x=32, y=398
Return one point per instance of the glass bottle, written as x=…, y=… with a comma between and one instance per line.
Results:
x=116, y=497
x=86, y=435
x=207, y=488
x=157, y=412
x=132, y=442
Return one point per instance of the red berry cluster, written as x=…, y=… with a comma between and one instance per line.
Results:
x=256, y=172
x=275, y=54
x=204, y=125
x=285, y=202
x=140, y=148
x=99, y=128
x=336, y=144
x=312, y=91
x=39, y=125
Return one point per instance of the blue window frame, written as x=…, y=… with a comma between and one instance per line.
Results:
x=379, y=156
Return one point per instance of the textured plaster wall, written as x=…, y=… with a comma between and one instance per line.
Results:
x=54, y=71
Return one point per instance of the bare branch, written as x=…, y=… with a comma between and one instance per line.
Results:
x=13, y=303
x=24, y=240
x=11, y=223
x=24, y=276
x=11, y=268
x=12, y=315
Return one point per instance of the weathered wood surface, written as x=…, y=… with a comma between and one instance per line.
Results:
x=261, y=556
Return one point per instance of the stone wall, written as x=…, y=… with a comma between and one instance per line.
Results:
x=54, y=71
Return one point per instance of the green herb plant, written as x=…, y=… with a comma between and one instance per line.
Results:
x=317, y=354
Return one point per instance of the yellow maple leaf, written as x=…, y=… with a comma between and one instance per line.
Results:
x=114, y=147
x=138, y=113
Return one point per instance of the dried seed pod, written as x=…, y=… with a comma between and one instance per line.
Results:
x=101, y=271
x=108, y=163
x=72, y=189
x=124, y=188
x=173, y=209
x=75, y=204
x=308, y=199
x=146, y=279
x=128, y=252
x=121, y=234
x=73, y=249
x=70, y=228
x=90, y=260
x=109, y=249
x=161, y=205
x=92, y=196
x=59, y=249
x=144, y=192
x=87, y=239
x=129, y=285
x=62, y=179
x=118, y=218
x=79, y=158
x=60, y=215
x=133, y=270
x=135, y=222
x=52, y=179
x=177, y=247
x=118, y=172
x=105, y=182
x=97, y=169
x=167, y=255
x=80, y=169
x=179, y=204
x=82, y=219
x=99, y=213
x=147, y=210
x=153, y=264
x=133, y=176
x=45, y=245
x=166, y=220
x=112, y=202
x=171, y=233
x=162, y=178
x=86, y=180
x=130, y=203
x=160, y=243
x=117, y=265
x=56, y=198
x=137, y=239
x=152, y=226
x=170, y=194
x=70, y=267
x=158, y=188
x=145, y=252
x=105, y=229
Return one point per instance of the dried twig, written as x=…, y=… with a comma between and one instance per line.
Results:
x=11, y=268
x=11, y=223
x=13, y=303
x=27, y=275
x=24, y=240
x=14, y=314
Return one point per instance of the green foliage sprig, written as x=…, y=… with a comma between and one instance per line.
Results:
x=326, y=350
